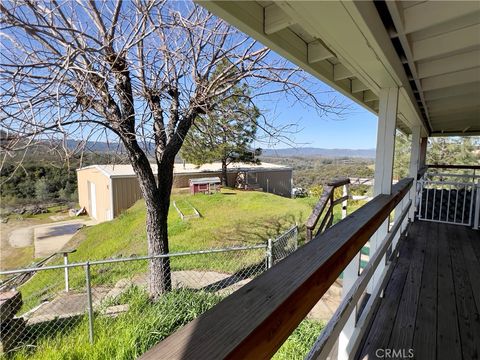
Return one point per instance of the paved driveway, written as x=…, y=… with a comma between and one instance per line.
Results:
x=51, y=238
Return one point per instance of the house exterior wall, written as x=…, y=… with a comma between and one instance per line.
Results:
x=183, y=180
x=126, y=192
x=102, y=192
x=277, y=182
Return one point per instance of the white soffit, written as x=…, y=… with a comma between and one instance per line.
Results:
x=332, y=40
x=441, y=43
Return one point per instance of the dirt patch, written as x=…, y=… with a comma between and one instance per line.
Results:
x=12, y=257
x=20, y=238
x=328, y=304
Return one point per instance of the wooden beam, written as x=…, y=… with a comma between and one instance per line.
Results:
x=454, y=102
x=449, y=64
x=340, y=72
x=431, y=13
x=358, y=86
x=467, y=105
x=369, y=96
x=454, y=79
x=458, y=116
x=447, y=43
x=423, y=152
x=254, y=321
x=414, y=167
x=276, y=19
x=385, y=149
x=318, y=52
x=471, y=89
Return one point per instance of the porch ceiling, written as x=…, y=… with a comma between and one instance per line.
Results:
x=439, y=45
x=431, y=50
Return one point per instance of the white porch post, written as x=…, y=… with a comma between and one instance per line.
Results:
x=414, y=167
x=387, y=117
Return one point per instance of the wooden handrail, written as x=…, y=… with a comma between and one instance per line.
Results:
x=339, y=182
x=444, y=166
x=421, y=172
x=254, y=321
x=326, y=198
x=319, y=207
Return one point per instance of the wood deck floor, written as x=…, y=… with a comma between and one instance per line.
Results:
x=432, y=301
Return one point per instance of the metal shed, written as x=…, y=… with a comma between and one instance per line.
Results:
x=107, y=190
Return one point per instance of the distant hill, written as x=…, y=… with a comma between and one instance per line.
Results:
x=115, y=147
x=311, y=151
x=303, y=151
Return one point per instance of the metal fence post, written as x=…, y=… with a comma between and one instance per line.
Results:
x=345, y=202
x=269, y=253
x=296, y=236
x=65, y=262
x=476, y=214
x=89, y=302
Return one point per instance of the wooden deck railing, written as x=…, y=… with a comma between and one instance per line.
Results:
x=254, y=321
x=325, y=206
x=450, y=194
x=459, y=167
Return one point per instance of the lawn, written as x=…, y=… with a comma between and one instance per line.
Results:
x=230, y=218
x=145, y=324
x=227, y=219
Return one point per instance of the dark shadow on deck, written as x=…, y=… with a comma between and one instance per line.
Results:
x=431, y=304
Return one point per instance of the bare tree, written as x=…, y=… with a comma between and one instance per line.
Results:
x=140, y=70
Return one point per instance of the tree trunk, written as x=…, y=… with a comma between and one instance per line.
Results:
x=160, y=280
x=224, y=173
x=157, y=201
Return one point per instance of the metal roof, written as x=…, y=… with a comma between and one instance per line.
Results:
x=118, y=171
x=207, y=180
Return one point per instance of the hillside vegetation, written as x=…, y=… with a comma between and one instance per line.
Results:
x=227, y=219
x=230, y=218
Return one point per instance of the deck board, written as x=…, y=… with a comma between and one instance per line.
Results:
x=431, y=301
x=403, y=328
x=425, y=333
x=448, y=337
x=468, y=321
x=381, y=328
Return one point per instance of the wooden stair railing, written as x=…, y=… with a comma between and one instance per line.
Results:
x=325, y=206
x=254, y=321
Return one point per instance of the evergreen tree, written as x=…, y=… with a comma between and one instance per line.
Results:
x=225, y=134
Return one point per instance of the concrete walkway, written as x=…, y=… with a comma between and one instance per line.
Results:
x=51, y=238
x=69, y=305
x=46, y=238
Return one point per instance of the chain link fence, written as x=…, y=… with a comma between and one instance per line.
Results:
x=61, y=309
x=282, y=246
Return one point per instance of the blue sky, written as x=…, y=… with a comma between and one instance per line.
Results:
x=356, y=129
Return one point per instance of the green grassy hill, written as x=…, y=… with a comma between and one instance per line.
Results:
x=227, y=219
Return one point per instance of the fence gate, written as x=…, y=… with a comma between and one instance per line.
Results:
x=448, y=198
x=282, y=246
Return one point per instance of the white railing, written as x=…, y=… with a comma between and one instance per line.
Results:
x=359, y=302
x=449, y=195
